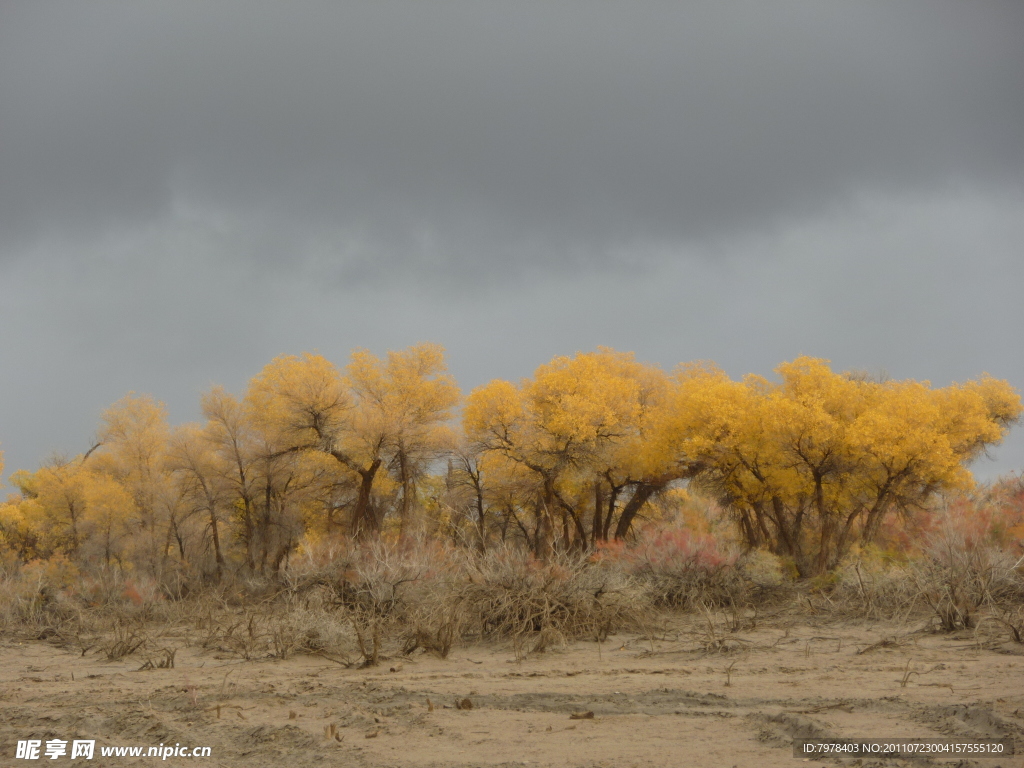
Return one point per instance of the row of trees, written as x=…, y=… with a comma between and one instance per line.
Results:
x=806, y=466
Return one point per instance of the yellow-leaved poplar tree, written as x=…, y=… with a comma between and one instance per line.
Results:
x=815, y=462
x=388, y=415
x=132, y=448
x=592, y=430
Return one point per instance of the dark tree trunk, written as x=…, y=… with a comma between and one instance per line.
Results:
x=613, y=499
x=364, y=520
x=545, y=527
x=405, y=524
x=643, y=492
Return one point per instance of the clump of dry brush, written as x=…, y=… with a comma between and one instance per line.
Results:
x=423, y=595
x=107, y=611
x=432, y=597
x=678, y=569
x=957, y=578
x=511, y=596
x=359, y=603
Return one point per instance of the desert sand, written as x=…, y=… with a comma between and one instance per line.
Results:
x=692, y=694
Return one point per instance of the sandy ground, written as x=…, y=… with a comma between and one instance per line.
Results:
x=688, y=697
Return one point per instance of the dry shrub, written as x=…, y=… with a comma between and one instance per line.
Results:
x=1013, y=619
x=374, y=589
x=37, y=600
x=961, y=573
x=509, y=594
x=874, y=585
x=439, y=612
x=416, y=595
x=245, y=635
x=680, y=569
x=424, y=595
x=377, y=592
x=126, y=639
x=956, y=572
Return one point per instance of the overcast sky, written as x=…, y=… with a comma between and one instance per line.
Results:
x=188, y=189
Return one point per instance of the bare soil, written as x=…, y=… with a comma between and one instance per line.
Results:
x=698, y=694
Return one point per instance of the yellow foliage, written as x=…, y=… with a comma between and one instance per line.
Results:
x=68, y=508
x=303, y=398
x=402, y=402
x=808, y=465
x=582, y=423
x=594, y=408
x=819, y=459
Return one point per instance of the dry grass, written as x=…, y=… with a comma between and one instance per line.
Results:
x=958, y=579
x=433, y=598
x=951, y=589
x=533, y=604
x=1013, y=620
x=358, y=605
x=125, y=640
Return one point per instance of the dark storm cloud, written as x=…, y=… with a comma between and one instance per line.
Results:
x=188, y=189
x=461, y=134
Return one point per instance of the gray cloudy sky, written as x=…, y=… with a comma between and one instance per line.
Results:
x=188, y=189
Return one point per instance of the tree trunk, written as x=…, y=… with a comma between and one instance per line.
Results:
x=405, y=526
x=215, y=533
x=510, y=514
x=364, y=520
x=749, y=531
x=545, y=529
x=643, y=492
x=876, y=514
x=480, y=520
x=613, y=499
x=595, y=529
x=826, y=541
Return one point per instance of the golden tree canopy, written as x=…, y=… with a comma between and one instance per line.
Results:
x=816, y=461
